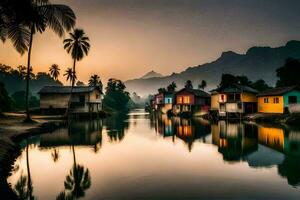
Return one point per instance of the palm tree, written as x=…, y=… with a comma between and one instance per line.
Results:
x=54, y=71
x=78, y=46
x=172, y=87
x=70, y=75
x=30, y=17
x=188, y=84
x=95, y=81
x=202, y=85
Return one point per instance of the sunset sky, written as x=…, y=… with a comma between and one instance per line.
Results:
x=132, y=37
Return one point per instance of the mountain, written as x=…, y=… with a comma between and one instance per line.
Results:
x=256, y=63
x=151, y=74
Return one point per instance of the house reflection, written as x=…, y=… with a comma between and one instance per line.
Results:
x=79, y=133
x=234, y=140
x=188, y=130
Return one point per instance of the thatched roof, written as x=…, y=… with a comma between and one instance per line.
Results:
x=234, y=88
x=67, y=89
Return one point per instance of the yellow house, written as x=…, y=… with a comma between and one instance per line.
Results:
x=279, y=100
x=234, y=98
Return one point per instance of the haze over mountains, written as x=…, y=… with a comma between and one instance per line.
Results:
x=256, y=63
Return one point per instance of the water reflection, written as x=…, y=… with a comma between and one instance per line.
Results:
x=93, y=160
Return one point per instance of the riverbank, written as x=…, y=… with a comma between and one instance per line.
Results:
x=12, y=131
x=283, y=119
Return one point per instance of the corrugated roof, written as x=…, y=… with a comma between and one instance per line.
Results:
x=278, y=91
x=198, y=93
x=235, y=88
x=66, y=89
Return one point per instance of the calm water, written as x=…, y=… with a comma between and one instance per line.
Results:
x=138, y=156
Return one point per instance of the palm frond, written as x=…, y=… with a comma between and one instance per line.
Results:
x=20, y=36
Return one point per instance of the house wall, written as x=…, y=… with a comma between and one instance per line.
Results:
x=185, y=95
x=293, y=108
x=214, y=104
x=248, y=97
x=54, y=100
x=270, y=107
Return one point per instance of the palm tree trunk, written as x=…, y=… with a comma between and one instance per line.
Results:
x=29, y=183
x=28, y=119
x=72, y=86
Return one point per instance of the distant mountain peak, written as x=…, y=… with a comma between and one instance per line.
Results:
x=151, y=74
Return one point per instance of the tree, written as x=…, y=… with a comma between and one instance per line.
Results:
x=260, y=85
x=80, y=83
x=188, y=84
x=202, y=85
x=161, y=90
x=172, y=87
x=227, y=80
x=95, y=81
x=288, y=74
x=115, y=96
x=5, y=100
x=78, y=46
x=32, y=17
x=54, y=71
x=70, y=75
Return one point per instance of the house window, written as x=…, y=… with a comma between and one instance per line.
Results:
x=97, y=96
x=230, y=97
x=237, y=97
x=276, y=100
x=179, y=99
x=186, y=99
x=266, y=100
x=292, y=99
x=223, y=97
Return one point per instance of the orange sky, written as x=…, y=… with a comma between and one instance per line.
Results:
x=132, y=37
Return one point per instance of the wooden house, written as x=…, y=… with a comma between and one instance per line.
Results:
x=84, y=99
x=234, y=99
x=168, y=102
x=279, y=100
x=158, y=101
x=191, y=100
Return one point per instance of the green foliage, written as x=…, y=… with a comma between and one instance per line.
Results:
x=14, y=79
x=5, y=101
x=288, y=74
x=161, y=90
x=116, y=97
x=229, y=79
x=19, y=100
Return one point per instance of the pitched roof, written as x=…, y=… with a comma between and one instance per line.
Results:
x=235, y=88
x=278, y=91
x=198, y=93
x=66, y=89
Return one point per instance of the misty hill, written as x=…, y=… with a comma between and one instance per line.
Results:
x=151, y=74
x=256, y=63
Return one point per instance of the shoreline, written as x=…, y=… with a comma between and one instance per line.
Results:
x=10, y=151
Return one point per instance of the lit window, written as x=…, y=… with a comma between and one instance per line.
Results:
x=276, y=100
x=179, y=99
x=266, y=100
x=186, y=100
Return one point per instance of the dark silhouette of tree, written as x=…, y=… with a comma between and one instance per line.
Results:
x=202, y=85
x=227, y=80
x=115, y=96
x=260, y=85
x=36, y=16
x=54, y=71
x=55, y=155
x=243, y=80
x=78, y=180
x=288, y=74
x=70, y=75
x=78, y=46
x=95, y=81
x=188, y=84
x=80, y=83
x=161, y=90
x=5, y=100
x=172, y=87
